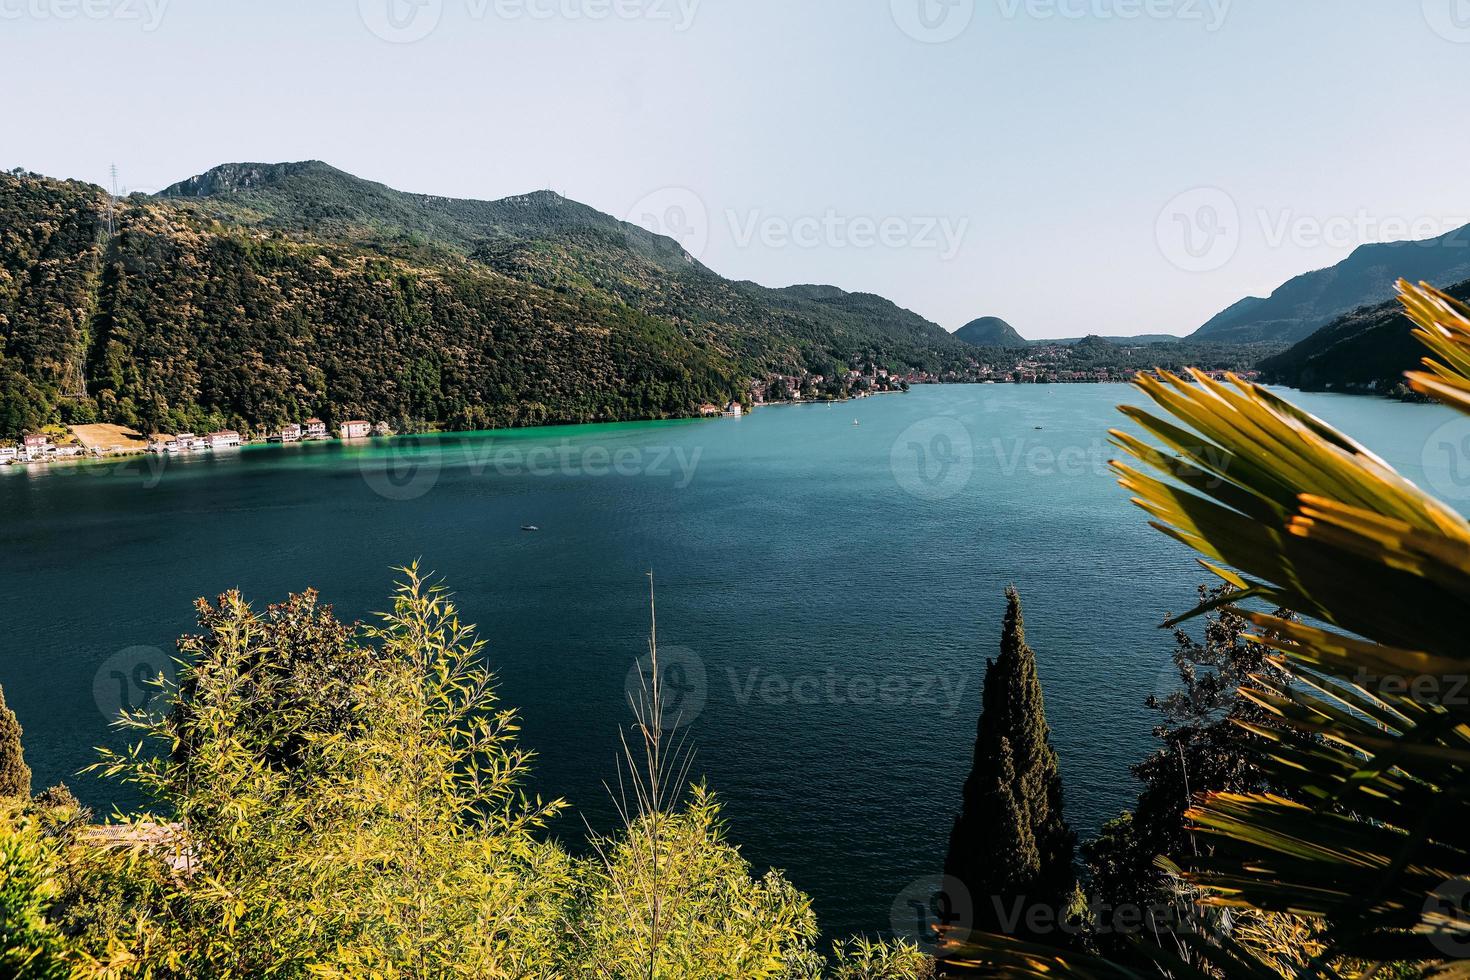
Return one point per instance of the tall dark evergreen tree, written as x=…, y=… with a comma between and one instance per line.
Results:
x=1010, y=845
x=15, y=775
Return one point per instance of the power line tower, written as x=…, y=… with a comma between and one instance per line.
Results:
x=112, y=203
x=78, y=375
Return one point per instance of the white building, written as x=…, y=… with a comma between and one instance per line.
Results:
x=224, y=439
x=37, y=445
x=356, y=429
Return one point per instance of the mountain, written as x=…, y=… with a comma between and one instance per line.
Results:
x=1366, y=350
x=990, y=331
x=255, y=294
x=1140, y=340
x=1365, y=278
x=322, y=200
x=1094, y=347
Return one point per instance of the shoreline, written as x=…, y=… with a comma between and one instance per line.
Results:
x=115, y=455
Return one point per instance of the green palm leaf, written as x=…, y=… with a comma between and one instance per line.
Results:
x=1369, y=715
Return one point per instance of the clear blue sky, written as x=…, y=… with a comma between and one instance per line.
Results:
x=828, y=141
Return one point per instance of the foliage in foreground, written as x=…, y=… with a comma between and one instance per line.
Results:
x=1368, y=837
x=379, y=829
x=30, y=945
x=1203, y=749
x=15, y=775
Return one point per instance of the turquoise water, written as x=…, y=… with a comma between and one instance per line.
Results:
x=828, y=593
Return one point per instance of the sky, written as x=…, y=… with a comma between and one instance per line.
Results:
x=1074, y=166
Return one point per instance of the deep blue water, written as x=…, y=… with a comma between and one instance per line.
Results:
x=828, y=591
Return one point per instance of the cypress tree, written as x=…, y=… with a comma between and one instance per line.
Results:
x=1010, y=845
x=15, y=775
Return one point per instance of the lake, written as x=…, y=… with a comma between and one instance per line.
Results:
x=828, y=593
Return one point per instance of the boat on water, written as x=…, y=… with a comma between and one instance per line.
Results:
x=529, y=527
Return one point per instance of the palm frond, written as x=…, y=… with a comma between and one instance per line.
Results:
x=1367, y=719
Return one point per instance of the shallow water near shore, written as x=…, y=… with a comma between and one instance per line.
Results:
x=830, y=583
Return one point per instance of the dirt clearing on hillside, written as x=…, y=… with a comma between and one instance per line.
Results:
x=110, y=438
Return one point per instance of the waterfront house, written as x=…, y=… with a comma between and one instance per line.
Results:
x=287, y=434
x=8, y=453
x=708, y=410
x=185, y=441
x=355, y=429
x=224, y=439
x=37, y=445
x=735, y=409
x=315, y=429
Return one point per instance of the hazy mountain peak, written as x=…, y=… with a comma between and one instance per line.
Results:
x=230, y=178
x=535, y=198
x=317, y=198
x=1365, y=278
x=815, y=291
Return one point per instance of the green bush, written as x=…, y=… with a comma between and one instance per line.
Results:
x=379, y=829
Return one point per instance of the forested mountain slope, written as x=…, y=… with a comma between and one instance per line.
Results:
x=257, y=294
x=1366, y=350
x=1365, y=278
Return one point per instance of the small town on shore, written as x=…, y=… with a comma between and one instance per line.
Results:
x=100, y=441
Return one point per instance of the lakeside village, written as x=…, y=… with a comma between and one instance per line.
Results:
x=1040, y=366
x=103, y=441
x=99, y=441
x=1043, y=364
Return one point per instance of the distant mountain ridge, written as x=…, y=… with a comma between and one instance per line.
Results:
x=991, y=331
x=317, y=197
x=1140, y=340
x=230, y=178
x=1365, y=278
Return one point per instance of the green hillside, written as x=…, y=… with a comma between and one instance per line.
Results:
x=1365, y=278
x=990, y=331
x=1367, y=350
x=256, y=294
